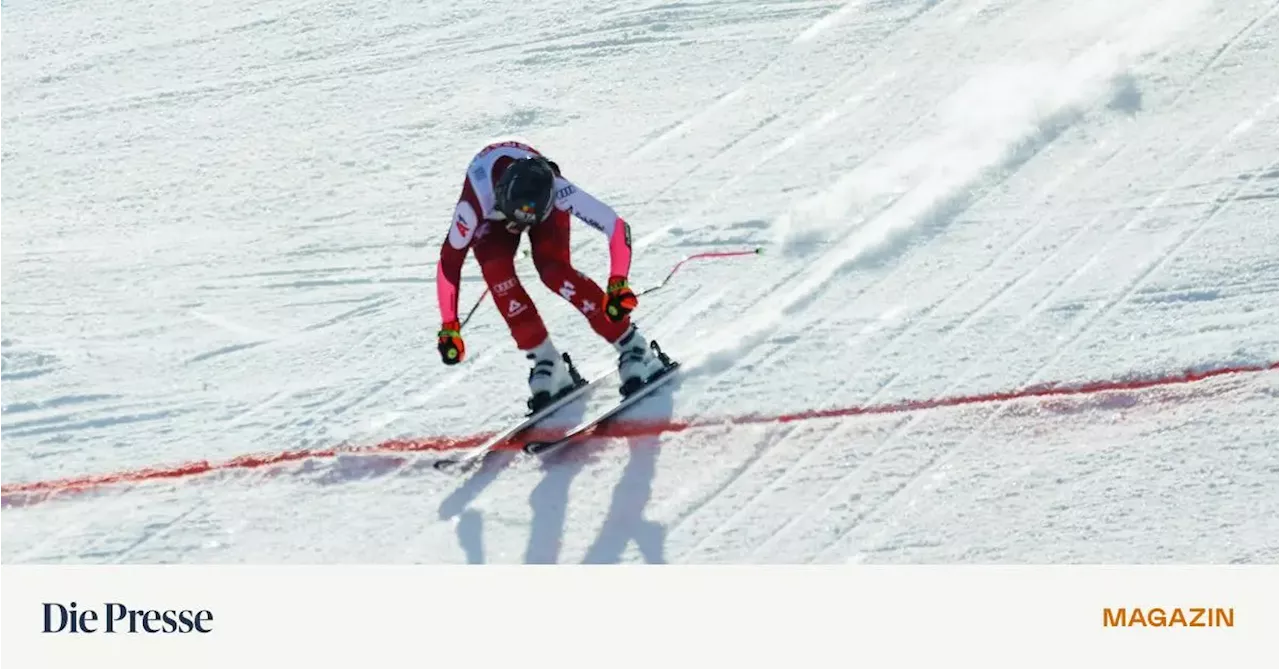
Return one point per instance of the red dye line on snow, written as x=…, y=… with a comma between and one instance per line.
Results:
x=648, y=428
x=242, y=462
x=619, y=429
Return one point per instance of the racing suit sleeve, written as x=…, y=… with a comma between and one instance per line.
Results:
x=586, y=208
x=453, y=252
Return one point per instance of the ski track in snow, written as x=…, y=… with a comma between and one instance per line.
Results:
x=220, y=227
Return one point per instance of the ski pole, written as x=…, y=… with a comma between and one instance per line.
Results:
x=697, y=256
x=474, y=307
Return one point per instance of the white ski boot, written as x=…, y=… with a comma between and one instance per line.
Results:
x=637, y=364
x=550, y=377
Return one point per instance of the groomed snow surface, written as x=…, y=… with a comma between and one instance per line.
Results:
x=221, y=222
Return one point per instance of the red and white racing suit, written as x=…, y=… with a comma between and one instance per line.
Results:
x=478, y=225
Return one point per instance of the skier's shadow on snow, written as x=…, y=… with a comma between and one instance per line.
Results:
x=469, y=524
x=550, y=499
x=625, y=521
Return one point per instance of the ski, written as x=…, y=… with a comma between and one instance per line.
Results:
x=544, y=448
x=467, y=460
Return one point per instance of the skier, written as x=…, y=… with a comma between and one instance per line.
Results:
x=511, y=188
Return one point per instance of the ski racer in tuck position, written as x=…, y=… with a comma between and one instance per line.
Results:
x=510, y=189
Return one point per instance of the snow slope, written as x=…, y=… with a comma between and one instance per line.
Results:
x=220, y=222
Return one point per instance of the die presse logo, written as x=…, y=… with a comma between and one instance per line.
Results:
x=115, y=618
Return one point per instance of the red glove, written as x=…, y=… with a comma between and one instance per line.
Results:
x=619, y=300
x=449, y=342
